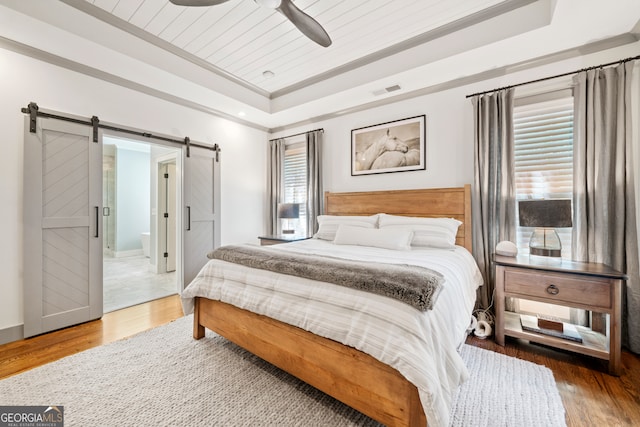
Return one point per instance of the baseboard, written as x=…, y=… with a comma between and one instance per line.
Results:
x=132, y=252
x=11, y=334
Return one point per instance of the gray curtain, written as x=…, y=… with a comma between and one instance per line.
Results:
x=274, y=183
x=493, y=194
x=604, y=228
x=315, y=196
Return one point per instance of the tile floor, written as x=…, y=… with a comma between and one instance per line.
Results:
x=127, y=281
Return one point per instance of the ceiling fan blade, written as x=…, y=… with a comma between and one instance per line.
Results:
x=306, y=24
x=198, y=2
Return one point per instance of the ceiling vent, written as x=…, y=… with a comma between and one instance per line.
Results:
x=386, y=90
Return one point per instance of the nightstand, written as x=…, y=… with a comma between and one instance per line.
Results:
x=281, y=238
x=589, y=286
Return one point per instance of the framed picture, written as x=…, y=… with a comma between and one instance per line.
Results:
x=396, y=146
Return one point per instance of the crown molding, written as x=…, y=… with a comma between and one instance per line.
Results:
x=68, y=64
x=590, y=48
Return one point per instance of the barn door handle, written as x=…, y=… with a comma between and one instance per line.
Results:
x=188, y=218
x=97, y=222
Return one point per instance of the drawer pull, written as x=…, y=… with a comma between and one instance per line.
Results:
x=553, y=290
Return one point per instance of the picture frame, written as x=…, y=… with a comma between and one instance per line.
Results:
x=395, y=146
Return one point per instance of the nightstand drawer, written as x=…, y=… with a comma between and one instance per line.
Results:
x=559, y=287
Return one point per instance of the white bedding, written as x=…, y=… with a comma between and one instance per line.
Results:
x=420, y=345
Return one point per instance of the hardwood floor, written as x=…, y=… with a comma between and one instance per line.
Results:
x=20, y=356
x=590, y=396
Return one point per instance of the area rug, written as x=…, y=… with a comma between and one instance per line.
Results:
x=163, y=377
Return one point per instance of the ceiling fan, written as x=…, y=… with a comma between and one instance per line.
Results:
x=306, y=24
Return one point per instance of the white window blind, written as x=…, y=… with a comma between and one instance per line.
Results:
x=295, y=182
x=544, y=158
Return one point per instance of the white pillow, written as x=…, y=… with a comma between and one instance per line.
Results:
x=388, y=239
x=328, y=224
x=430, y=232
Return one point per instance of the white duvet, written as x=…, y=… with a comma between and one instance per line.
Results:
x=422, y=346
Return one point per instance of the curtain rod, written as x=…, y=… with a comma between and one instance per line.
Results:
x=298, y=134
x=556, y=76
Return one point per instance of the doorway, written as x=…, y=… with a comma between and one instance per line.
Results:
x=63, y=214
x=141, y=192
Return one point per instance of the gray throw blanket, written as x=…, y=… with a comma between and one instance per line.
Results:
x=413, y=285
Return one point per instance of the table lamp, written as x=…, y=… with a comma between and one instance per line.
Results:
x=545, y=216
x=288, y=211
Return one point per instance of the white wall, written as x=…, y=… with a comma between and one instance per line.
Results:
x=449, y=122
x=449, y=144
x=449, y=158
x=23, y=80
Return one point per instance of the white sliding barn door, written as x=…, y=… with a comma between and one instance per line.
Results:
x=201, y=210
x=62, y=226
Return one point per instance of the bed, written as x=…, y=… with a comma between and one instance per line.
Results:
x=352, y=376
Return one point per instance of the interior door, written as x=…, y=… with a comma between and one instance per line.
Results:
x=62, y=226
x=201, y=209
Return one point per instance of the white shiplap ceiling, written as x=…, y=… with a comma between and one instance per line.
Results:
x=244, y=39
x=212, y=59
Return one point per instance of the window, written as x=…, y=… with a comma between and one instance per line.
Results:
x=295, y=182
x=543, y=131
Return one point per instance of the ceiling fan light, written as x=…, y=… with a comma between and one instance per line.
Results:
x=271, y=4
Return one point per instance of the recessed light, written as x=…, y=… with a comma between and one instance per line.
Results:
x=268, y=74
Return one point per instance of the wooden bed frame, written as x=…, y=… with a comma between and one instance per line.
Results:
x=347, y=374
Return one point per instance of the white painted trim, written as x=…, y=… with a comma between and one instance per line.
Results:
x=124, y=254
x=11, y=334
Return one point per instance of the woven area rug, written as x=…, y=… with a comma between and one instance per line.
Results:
x=164, y=377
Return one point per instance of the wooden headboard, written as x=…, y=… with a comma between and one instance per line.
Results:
x=430, y=202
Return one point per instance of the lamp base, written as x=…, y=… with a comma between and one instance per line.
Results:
x=545, y=252
x=545, y=242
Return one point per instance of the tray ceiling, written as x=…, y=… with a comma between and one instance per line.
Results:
x=244, y=40
x=213, y=59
